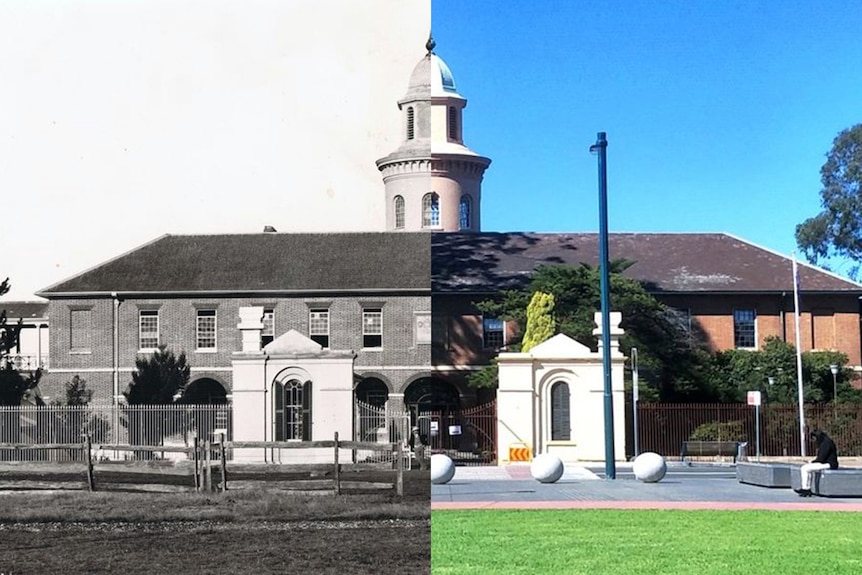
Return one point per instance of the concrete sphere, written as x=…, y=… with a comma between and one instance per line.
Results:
x=546, y=468
x=649, y=467
x=442, y=469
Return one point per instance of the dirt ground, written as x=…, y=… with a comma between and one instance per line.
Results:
x=258, y=547
x=245, y=533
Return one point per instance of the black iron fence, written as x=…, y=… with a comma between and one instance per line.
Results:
x=662, y=427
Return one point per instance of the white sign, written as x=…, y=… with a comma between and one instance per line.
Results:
x=753, y=398
x=454, y=430
x=435, y=428
x=422, y=327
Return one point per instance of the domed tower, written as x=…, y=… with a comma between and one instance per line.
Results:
x=433, y=181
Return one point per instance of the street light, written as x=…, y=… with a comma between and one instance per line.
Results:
x=600, y=149
x=834, y=369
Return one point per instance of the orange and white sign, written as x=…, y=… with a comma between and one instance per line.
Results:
x=519, y=453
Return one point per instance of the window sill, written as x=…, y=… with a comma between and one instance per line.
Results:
x=206, y=351
x=148, y=350
x=80, y=352
x=371, y=349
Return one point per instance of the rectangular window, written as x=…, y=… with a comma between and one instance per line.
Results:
x=268, y=333
x=318, y=326
x=744, y=336
x=206, y=329
x=148, y=329
x=81, y=326
x=372, y=328
x=493, y=333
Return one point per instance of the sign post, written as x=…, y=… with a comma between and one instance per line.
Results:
x=754, y=399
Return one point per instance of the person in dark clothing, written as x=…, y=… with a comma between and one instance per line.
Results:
x=827, y=458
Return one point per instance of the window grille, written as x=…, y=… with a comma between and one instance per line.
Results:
x=318, y=326
x=206, y=329
x=148, y=329
x=372, y=328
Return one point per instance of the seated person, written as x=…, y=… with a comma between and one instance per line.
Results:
x=827, y=458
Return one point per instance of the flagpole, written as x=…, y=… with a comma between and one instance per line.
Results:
x=801, y=397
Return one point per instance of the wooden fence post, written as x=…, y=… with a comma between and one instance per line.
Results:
x=222, y=454
x=88, y=454
x=337, y=468
x=208, y=475
x=399, y=478
x=197, y=465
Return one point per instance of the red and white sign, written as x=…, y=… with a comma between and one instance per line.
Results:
x=753, y=398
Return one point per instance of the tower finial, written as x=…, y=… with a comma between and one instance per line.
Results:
x=430, y=44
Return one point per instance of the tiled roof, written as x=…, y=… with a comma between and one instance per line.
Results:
x=461, y=263
x=265, y=262
x=670, y=262
x=24, y=309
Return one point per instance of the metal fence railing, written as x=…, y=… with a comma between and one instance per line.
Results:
x=379, y=424
x=662, y=427
x=147, y=425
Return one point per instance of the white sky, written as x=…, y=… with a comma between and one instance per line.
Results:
x=121, y=121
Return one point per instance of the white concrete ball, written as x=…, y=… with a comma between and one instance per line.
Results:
x=546, y=468
x=442, y=469
x=649, y=467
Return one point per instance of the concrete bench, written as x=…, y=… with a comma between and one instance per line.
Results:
x=708, y=448
x=767, y=474
x=841, y=482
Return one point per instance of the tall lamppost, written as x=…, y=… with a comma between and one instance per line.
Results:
x=600, y=148
x=834, y=369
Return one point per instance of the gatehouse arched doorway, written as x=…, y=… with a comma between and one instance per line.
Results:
x=204, y=391
x=466, y=435
x=372, y=391
x=431, y=393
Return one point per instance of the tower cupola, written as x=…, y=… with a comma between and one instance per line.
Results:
x=432, y=181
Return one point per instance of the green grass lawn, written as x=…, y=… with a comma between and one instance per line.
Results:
x=645, y=542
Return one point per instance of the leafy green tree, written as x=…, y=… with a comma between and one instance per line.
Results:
x=540, y=320
x=77, y=392
x=158, y=378
x=14, y=385
x=772, y=371
x=672, y=355
x=836, y=232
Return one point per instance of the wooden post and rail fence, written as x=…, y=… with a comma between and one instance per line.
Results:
x=204, y=458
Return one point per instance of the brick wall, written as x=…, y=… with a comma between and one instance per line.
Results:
x=177, y=330
x=826, y=323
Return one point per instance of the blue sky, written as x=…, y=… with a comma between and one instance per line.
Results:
x=718, y=114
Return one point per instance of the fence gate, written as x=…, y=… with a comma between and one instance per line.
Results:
x=468, y=436
x=379, y=424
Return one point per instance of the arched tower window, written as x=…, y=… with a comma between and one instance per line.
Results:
x=292, y=410
x=410, y=122
x=561, y=427
x=453, y=124
x=430, y=210
x=399, y=212
x=465, y=213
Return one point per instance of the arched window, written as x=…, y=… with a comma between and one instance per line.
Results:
x=292, y=410
x=464, y=213
x=561, y=426
x=410, y=130
x=453, y=123
x=430, y=210
x=399, y=212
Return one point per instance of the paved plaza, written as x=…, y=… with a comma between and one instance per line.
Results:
x=698, y=486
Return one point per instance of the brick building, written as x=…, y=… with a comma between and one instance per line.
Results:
x=402, y=301
x=364, y=292
x=736, y=293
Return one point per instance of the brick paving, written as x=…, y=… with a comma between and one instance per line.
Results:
x=584, y=487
